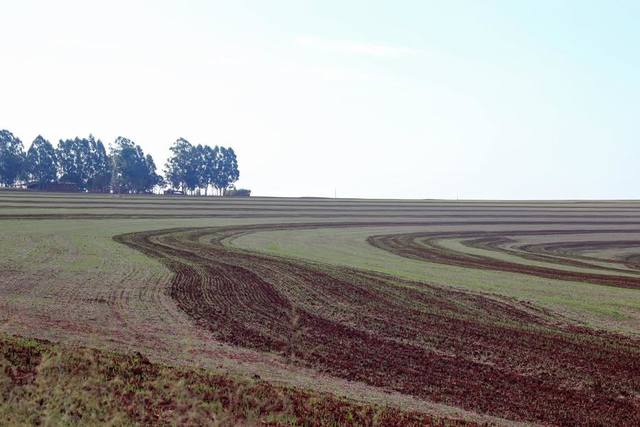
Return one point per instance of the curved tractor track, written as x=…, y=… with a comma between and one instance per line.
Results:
x=428, y=247
x=485, y=354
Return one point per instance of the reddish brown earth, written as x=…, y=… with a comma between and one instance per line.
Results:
x=478, y=352
x=424, y=246
x=575, y=249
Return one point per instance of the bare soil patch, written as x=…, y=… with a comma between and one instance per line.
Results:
x=490, y=356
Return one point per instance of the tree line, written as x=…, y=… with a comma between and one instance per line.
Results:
x=85, y=164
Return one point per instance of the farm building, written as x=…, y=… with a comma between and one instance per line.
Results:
x=61, y=187
x=240, y=192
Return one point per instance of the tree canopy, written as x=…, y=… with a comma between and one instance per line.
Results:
x=85, y=163
x=201, y=167
x=132, y=171
x=41, y=162
x=11, y=158
x=99, y=169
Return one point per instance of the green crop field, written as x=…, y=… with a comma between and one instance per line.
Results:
x=350, y=311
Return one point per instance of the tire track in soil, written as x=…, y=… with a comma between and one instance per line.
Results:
x=443, y=345
x=424, y=246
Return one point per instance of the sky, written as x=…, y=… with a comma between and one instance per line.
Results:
x=384, y=99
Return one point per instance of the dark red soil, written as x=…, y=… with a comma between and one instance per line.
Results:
x=575, y=250
x=424, y=246
x=498, y=357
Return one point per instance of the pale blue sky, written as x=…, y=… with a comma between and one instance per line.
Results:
x=424, y=99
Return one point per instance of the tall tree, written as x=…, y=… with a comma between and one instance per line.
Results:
x=200, y=156
x=228, y=169
x=98, y=167
x=41, y=163
x=74, y=161
x=11, y=158
x=182, y=169
x=153, y=179
x=84, y=162
x=133, y=172
x=190, y=167
x=210, y=166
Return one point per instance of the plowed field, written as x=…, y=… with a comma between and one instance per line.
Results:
x=491, y=312
x=480, y=353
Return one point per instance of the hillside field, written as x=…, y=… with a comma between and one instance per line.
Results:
x=341, y=311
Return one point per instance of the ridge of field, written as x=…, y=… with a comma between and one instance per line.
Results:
x=50, y=206
x=513, y=251
x=477, y=250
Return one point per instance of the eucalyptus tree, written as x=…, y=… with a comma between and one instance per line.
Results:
x=200, y=167
x=228, y=172
x=99, y=167
x=41, y=162
x=12, y=158
x=182, y=169
x=132, y=171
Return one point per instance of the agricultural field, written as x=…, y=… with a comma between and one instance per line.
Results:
x=319, y=311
